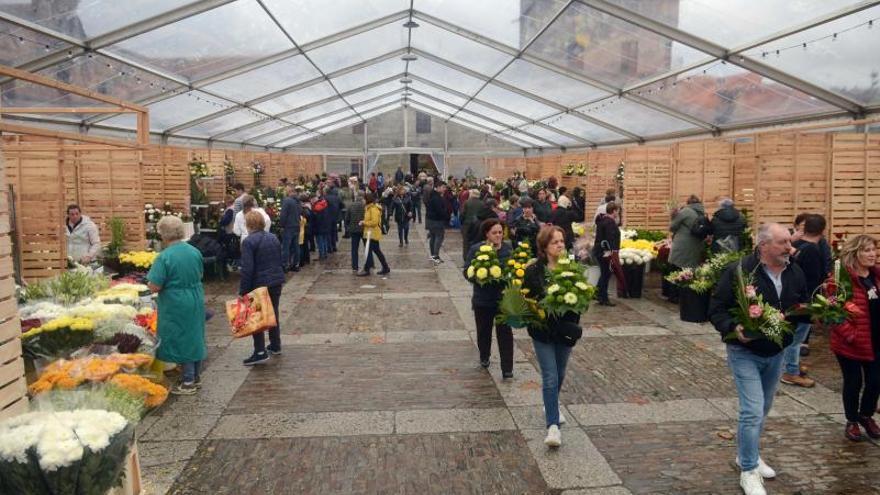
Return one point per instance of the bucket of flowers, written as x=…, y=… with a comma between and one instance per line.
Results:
x=58, y=337
x=635, y=257
x=758, y=318
x=485, y=268
x=81, y=451
x=136, y=261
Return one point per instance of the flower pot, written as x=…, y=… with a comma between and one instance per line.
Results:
x=635, y=279
x=693, y=307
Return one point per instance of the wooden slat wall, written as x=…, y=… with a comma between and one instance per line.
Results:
x=774, y=175
x=13, y=400
x=165, y=176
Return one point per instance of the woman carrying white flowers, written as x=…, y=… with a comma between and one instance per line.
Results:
x=551, y=349
x=486, y=296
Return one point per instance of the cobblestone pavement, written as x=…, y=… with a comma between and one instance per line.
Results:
x=378, y=391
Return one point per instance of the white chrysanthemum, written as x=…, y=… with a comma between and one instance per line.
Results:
x=570, y=298
x=553, y=289
x=581, y=285
x=564, y=260
x=483, y=257
x=566, y=274
x=15, y=442
x=93, y=437
x=58, y=446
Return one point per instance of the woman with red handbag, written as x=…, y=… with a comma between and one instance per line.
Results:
x=262, y=265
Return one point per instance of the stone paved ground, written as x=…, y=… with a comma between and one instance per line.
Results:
x=379, y=392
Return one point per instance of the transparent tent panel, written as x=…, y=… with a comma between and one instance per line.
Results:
x=733, y=24
x=254, y=130
x=501, y=97
x=366, y=94
x=583, y=129
x=296, y=99
x=317, y=111
x=178, y=109
x=450, y=46
x=276, y=136
x=264, y=80
x=529, y=141
x=635, y=118
x=329, y=119
x=376, y=72
x=847, y=63
x=310, y=20
x=609, y=49
x=371, y=106
x=224, y=123
x=87, y=19
x=19, y=45
x=446, y=96
x=439, y=107
x=298, y=139
x=484, y=111
x=551, y=85
x=551, y=137
x=339, y=124
x=511, y=23
x=444, y=76
x=18, y=93
x=200, y=46
x=724, y=95
x=482, y=130
x=360, y=47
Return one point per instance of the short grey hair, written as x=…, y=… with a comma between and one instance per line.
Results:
x=170, y=228
x=765, y=233
x=725, y=203
x=474, y=194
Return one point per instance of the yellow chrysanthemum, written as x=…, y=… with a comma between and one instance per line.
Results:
x=470, y=272
x=520, y=273
x=495, y=271
x=482, y=273
x=485, y=248
x=511, y=263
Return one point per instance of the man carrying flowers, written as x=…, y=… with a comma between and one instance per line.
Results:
x=484, y=269
x=747, y=308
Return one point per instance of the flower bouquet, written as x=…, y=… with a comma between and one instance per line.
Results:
x=78, y=452
x=706, y=276
x=681, y=278
x=517, y=310
x=757, y=317
x=198, y=169
x=485, y=268
x=569, y=169
x=578, y=229
x=628, y=234
x=567, y=289
x=68, y=374
x=515, y=268
x=137, y=260
x=148, y=319
x=834, y=307
x=581, y=170
x=59, y=336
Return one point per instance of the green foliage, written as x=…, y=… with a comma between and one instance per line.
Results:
x=650, y=235
x=117, y=237
x=76, y=285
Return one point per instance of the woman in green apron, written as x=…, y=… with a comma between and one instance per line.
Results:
x=177, y=276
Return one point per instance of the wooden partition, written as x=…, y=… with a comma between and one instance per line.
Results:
x=13, y=400
x=774, y=175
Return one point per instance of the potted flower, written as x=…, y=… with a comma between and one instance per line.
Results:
x=635, y=258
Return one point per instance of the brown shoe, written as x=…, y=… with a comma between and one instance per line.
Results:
x=804, y=369
x=800, y=381
x=870, y=426
x=853, y=432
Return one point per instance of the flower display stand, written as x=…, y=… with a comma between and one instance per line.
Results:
x=131, y=480
x=693, y=307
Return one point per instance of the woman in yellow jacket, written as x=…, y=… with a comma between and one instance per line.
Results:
x=372, y=226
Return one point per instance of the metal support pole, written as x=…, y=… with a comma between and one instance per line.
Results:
x=366, y=153
x=405, y=127
x=445, y=150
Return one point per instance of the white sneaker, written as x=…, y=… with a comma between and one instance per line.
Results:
x=554, y=437
x=766, y=471
x=752, y=483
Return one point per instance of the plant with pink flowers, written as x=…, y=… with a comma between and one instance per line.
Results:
x=757, y=317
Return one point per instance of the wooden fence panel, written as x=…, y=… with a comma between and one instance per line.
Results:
x=601, y=173
x=855, y=172
x=647, y=187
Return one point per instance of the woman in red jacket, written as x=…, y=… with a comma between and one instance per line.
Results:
x=856, y=342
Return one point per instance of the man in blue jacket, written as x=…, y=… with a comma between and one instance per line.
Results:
x=291, y=208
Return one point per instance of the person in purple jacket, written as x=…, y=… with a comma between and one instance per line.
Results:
x=262, y=265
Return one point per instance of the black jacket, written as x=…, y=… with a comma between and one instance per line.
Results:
x=527, y=230
x=261, y=262
x=794, y=291
x=354, y=214
x=435, y=208
x=607, y=235
x=563, y=217
x=402, y=208
x=544, y=211
x=488, y=295
x=334, y=204
x=290, y=212
x=536, y=281
x=727, y=222
x=809, y=257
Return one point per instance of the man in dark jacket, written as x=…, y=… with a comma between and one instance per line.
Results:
x=755, y=361
x=354, y=215
x=291, y=209
x=728, y=225
x=334, y=212
x=398, y=176
x=472, y=212
x=605, y=250
x=436, y=220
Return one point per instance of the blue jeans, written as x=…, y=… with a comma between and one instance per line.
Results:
x=552, y=358
x=355, y=246
x=191, y=371
x=756, y=380
x=290, y=247
x=403, y=231
x=791, y=360
x=323, y=241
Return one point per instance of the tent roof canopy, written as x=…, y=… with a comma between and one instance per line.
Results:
x=534, y=73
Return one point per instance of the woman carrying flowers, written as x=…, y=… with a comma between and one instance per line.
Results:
x=551, y=348
x=177, y=276
x=486, y=296
x=856, y=341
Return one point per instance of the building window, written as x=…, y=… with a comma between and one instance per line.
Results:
x=629, y=57
x=358, y=129
x=423, y=123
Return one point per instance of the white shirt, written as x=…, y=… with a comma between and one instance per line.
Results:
x=776, y=279
x=239, y=227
